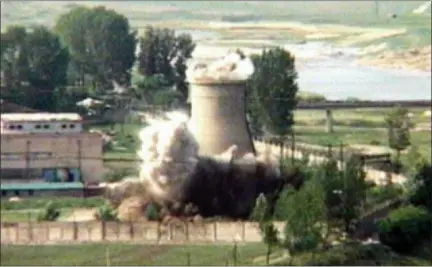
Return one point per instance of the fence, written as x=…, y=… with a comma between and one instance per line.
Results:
x=135, y=232
x=319, y=154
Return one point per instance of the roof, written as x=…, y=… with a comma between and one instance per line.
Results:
x=40, y=117
x=42, y=186
x=9, y=107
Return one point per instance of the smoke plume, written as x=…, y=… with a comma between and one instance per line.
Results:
x=231, y=68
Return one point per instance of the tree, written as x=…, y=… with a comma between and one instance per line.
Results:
x=47, y=63
x=354, y=191
x=13, y=56
x=305, y=224
x=422, y=195
x=35, y=64
x=162, y=52
x=101, y=43
x=398, y=126
x=262, y=214
x=272, y=89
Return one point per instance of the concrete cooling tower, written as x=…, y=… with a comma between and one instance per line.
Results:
x=218, y=116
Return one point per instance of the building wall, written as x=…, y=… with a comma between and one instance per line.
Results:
x=50, y=150
x=41, y=127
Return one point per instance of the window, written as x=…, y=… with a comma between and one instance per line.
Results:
x=30, y=192
x=71, y=126
x=17, y=193
x=3, y=193
x=11, y=127
x=64, y=126
x=46, y=126
x=37, y=126
x=19, y=127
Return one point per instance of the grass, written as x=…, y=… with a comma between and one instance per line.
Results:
x=196, y=255
x=127, y=254
x=193, y=15
x=61, y=203
x=27, y=215
x=352, y=126
x=355, y=255
x=19, y=216
x=368, y=117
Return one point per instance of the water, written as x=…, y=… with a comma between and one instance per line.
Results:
x=332, y=72
x=339, y=79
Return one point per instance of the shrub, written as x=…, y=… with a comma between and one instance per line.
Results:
x=422, y=195
x=379, y=194
x=405, y=228
x=49, y=213
x=352, y=255
x=106, y=213
x=152, y=212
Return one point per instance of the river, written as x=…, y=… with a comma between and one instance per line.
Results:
x=332, y=72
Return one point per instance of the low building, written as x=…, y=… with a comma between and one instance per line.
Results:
x=48, y=148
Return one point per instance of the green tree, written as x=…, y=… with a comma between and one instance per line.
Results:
x=305, y=225
x=13, y=57
x=34, y=63
x=398, y=126
x=354, y=191
x=422, y=195
x=162, y=52
x=47, y=63
x=262, y=214
x=102, y=44
x=272, y=90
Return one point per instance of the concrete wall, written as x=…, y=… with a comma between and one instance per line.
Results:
x=49, y=150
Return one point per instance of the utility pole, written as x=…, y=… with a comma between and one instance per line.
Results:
x=376, y=9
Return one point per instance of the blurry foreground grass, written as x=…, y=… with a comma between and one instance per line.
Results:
x=126, y=254
x=196, y=255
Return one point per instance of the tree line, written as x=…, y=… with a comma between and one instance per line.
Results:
x=90, y=50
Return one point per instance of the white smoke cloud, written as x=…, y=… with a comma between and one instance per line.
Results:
x=231, y=67
x=169, y=152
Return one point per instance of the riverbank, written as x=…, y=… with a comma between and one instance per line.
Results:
x=410, y=59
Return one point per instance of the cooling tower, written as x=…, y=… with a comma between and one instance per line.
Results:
x=218, y=117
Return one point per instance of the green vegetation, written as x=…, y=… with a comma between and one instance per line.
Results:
x=271, y=99
x=19, y=215
x=164, y=54
x=127, y=254
x=398, y=127
x=353, y=255
x=405, y=228
x=61, y=203
x=49, y=213
x=106, y=213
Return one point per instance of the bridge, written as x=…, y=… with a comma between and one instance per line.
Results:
x=343, y=104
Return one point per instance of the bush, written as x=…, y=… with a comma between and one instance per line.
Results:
x=405, y=228
x=352, y=255
x=380, y=194
x=106, y=213
x=152, y=212
x=50, y=213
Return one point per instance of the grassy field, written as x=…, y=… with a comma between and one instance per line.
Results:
x=352, y=126
x=197, y=15
x=19, y=216
x=194, y=255
x=124, y=254
x=61, y=203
